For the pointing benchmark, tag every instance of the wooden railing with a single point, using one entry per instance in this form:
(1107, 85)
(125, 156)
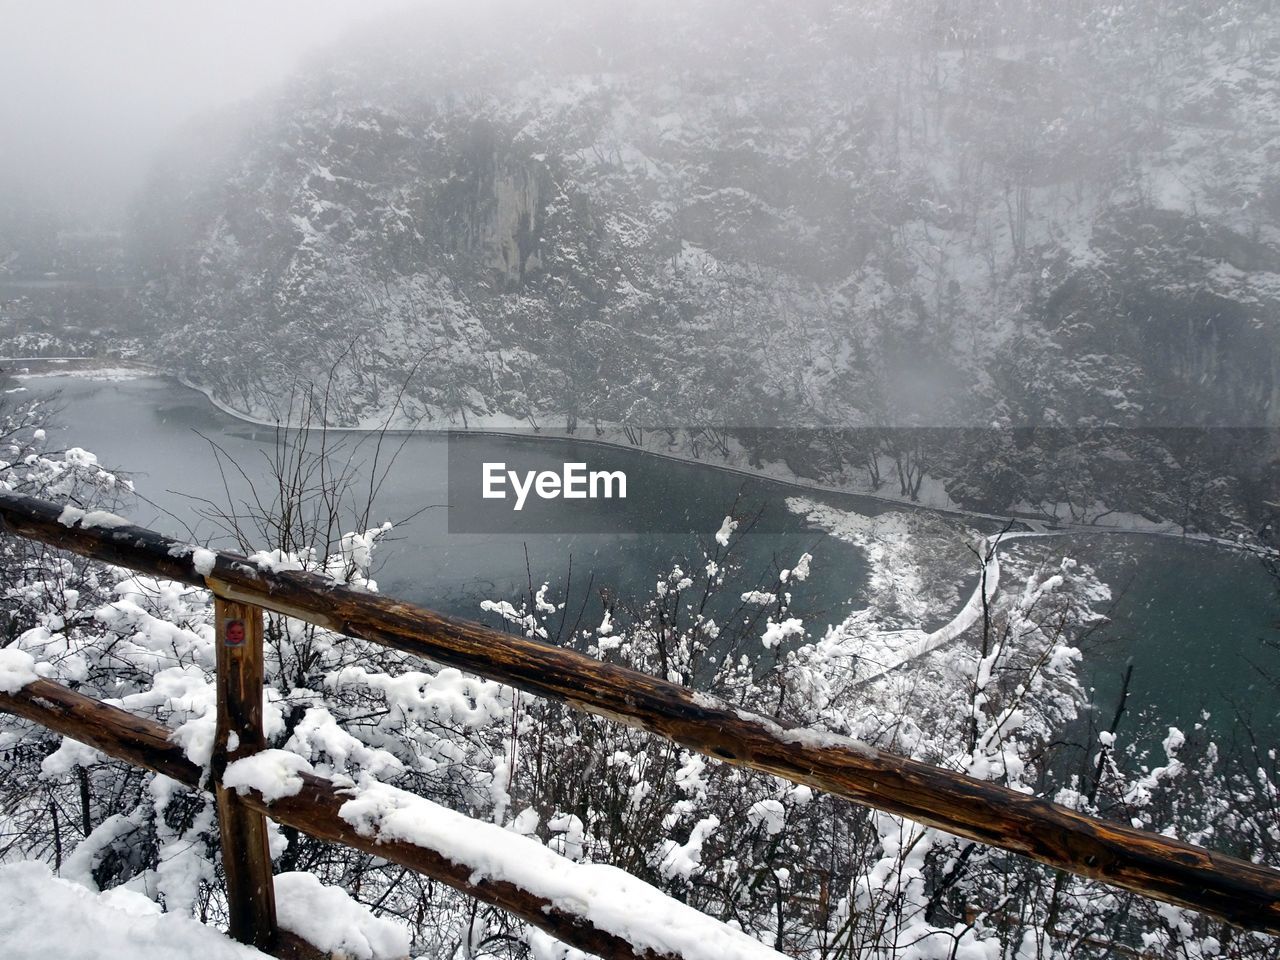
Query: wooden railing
(1242, 893)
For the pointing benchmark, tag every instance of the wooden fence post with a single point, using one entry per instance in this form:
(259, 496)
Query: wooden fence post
(246, 859)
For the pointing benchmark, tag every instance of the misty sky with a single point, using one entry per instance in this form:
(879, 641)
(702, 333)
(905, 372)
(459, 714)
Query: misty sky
(90, 88)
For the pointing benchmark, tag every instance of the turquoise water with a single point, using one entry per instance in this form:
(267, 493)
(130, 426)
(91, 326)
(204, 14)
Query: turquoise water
(1199, 624)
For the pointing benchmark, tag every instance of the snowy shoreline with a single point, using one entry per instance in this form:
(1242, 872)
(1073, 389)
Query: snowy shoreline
(774, 472)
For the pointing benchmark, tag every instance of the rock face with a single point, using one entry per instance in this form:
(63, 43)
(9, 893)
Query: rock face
(492, 210)
(708, 217)
(1195, 309)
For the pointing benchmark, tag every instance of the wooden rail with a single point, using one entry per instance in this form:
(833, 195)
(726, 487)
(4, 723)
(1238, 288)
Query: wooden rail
(313, 810)
(1166, 869)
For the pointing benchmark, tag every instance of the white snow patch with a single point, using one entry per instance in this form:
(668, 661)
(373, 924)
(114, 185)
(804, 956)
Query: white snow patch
(775, 633)
(823, 739)
(102, 519)
(274, 561)
(202, 560)
(708, 702)
(70, 516)
(726, 531)
(17, 669)
(609, 898)
(272, 773)
(685, 859)
(326, 917)
(102, 374)
(44, 916)
(769, 812)
(69, 755)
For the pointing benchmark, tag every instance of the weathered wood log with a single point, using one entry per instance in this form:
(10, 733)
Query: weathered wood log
(314, 810)
(1166, 869)
(117, 733)
(246, 852)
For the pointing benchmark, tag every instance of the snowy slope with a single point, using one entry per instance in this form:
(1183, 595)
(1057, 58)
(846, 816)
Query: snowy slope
(852, 216)
(122, 924)
(42, 916)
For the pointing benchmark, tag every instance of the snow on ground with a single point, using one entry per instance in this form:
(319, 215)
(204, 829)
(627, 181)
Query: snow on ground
(43, 917)
(889, 543)
(903, 646)
(656, 443)
(932, 494)
(122, 924)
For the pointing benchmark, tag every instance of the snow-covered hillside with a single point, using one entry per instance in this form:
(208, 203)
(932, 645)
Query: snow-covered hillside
(1006, 216)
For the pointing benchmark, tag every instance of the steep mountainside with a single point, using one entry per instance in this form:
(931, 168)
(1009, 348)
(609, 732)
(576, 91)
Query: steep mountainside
(837, 215)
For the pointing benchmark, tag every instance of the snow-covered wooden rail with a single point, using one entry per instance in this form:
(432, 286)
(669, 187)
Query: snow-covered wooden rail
(1161, 867)
(637, 922)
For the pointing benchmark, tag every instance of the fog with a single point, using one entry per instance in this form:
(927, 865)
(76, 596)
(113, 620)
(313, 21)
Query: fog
(92, 89)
